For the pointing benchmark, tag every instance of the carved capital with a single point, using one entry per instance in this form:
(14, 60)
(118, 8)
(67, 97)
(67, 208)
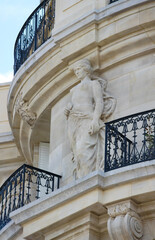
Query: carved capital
(22, 108)
(121, 208)
(124, 223)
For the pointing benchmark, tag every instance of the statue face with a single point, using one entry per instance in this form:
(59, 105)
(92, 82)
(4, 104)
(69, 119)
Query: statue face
(80, 73)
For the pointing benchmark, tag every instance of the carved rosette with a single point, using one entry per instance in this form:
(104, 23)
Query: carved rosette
(124, 223)
(22, 108)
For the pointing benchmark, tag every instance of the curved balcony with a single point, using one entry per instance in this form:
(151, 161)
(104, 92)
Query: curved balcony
(117, 39)
(114, 39)
(25, 185)
(35, 31)
(130, 140)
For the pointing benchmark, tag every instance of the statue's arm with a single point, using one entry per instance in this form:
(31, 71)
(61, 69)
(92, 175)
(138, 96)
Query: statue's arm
(68, 107)
(98, 100)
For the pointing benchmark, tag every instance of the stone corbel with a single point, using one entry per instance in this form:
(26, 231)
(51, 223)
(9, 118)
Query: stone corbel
(22, 108)
(124, 223)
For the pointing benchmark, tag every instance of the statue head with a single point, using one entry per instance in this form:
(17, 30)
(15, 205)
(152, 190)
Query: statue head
(83, 68)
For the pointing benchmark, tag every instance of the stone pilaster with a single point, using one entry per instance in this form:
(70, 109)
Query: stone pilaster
(124, 223)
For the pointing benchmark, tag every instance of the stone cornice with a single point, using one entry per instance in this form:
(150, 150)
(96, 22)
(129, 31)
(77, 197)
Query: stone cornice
(95, 16)
(95, 192)
(9, 231)
(6, 137)
(96, 180)
(5, 84)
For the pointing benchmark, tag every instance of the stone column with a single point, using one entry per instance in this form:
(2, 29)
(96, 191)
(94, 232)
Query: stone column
(124, 223)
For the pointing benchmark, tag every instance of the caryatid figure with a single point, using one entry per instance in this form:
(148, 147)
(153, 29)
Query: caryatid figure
(89, 107)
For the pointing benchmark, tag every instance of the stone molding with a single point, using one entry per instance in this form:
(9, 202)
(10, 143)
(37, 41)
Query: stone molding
(22, 108)
(59, 32)
(5, 84)
(128, 221)
(97, 179)
(124, 223)
(121, 209)
(6, 137)
(65, 195)
(9, 231)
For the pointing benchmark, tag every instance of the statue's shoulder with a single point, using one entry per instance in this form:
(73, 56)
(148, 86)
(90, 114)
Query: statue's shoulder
(73, 89)
(96, 83)
(102, 83)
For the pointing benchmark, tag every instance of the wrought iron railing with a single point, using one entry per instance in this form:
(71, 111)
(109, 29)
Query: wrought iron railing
(112, 1)
(35, 31)
(24, 186)
(130, 140)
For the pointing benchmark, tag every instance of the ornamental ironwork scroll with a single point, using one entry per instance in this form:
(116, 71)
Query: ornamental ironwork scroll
(24, 186)
(130, 140)
(35, 31)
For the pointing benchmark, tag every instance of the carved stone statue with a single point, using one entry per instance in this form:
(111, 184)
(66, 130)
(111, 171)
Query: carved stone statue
(22, 108)
(89, 107)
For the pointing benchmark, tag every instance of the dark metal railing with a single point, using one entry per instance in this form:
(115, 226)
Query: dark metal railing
(112, 1)
(130, 140)
(35, 31)
(24, 186)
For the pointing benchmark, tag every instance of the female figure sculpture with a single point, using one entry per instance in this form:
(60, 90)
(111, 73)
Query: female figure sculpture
(90, 106)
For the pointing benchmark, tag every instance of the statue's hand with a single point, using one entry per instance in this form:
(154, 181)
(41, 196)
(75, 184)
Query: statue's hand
(67, 109)
(94, 127)
(66, 112)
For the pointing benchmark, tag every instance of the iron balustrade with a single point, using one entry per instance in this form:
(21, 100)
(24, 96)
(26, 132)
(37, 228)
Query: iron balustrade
(35, 31)
(130, 140)
(25, 185)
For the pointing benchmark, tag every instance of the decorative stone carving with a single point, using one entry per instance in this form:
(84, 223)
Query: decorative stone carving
(90, 106)
(124, 223)
(22, 108)
(122, 208)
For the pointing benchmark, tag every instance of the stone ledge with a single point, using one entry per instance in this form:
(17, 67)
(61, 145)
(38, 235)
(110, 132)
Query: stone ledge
(5, 84)
(6, 137)
(9, 231)
(97, 179)
(95, 16)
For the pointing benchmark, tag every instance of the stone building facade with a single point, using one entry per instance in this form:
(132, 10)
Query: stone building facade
(81, 105)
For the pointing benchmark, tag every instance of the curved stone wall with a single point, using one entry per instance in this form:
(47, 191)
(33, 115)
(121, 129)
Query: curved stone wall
(119, 41)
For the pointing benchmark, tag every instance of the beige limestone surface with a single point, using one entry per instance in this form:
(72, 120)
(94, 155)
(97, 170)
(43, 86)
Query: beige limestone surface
(119, 41)
(4, 124)
(83, 208)
(10, 158)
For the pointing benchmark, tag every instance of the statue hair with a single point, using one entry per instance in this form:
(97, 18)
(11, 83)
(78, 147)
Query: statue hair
(85, 64)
